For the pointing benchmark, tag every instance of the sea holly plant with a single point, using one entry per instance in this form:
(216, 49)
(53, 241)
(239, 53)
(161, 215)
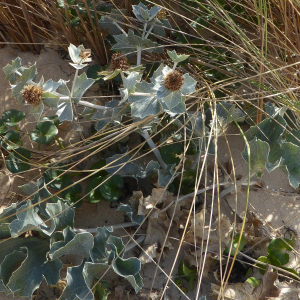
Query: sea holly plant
(55, 95)
(52, 237)
(272, 146)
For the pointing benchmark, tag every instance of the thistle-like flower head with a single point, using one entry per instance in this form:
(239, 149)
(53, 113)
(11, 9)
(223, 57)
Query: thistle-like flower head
(119, 61)
(173, 81)
(167, 81)
(32, 94)
(162, 14)
(79, 56)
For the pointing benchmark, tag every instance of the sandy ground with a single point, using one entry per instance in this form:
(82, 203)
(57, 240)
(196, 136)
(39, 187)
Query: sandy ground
(276, 204)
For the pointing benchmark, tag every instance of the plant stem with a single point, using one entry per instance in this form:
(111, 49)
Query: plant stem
(115, 23)
(59, 142)
(73, 85)
(156, 152)
(92, 105)
(39, 146)
(139, 56)
(149, 31)
(174, 66)
(117, 226)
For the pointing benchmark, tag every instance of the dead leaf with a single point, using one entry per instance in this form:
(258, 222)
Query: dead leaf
(245, 290)
(194, 258)
(237, 291)
(267, 289)
(149, 252)
(199, 230)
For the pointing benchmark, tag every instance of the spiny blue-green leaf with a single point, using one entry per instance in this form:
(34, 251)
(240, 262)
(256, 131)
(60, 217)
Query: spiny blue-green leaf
(50, 100)
(177, 58)
(293, 137)
(166, 177)
(3, 128)
(188, 84)
(226, 113)
(137, 219)
(12, 70)
(278, 248)
(131, 42)
(29, 74)
(29, 188)
(110, 189)
(116, 162)
(63, 88)
(291, 159)
(151, 167)
(28, 219)
(13, 117)
(44, 133)
(62, 214)
(92, 271)
(143, 106)
(65, 110)
(117, 15)
(34, 266)
(76, 287)
(116, 244)
(37, 110)
(82, 83)
(259, 152)
(81, 244)
(11, 263)
(129, 269)
(269, 130)
(99, 253)
(17, 160)
(172, 100)
(51, 270)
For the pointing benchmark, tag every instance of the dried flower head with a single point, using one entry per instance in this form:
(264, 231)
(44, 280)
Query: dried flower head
(32, 94)
(119, 62)
(86, 55)
(173, 81)
(162, 14)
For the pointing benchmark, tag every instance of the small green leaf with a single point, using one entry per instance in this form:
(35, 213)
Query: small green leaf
(102, 289)
(110, 189)
(99, 165)
(44, 133)
(170, 153)
(278, 248)
(17, 160)
(12, 117)
(95, 196)
(188, 274)
(94, 73)
(3, 128)
(262, 268)
(259, 152)
(11, 140)
(52, 119)
(252, 280)
(235, 243)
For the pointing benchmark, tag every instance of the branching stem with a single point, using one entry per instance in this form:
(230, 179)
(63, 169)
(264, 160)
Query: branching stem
(156, 152)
